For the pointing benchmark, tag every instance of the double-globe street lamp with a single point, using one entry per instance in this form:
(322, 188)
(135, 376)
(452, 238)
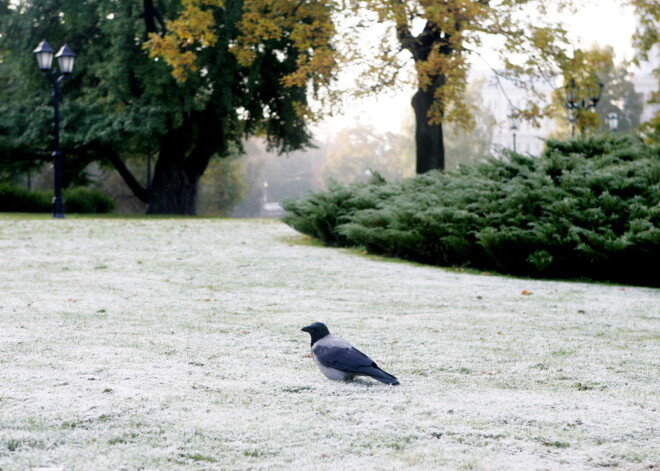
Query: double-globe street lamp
(66, 58)
(576, 103)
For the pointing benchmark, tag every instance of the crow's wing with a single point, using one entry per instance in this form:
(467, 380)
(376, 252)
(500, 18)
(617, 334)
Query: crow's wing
(348, 359)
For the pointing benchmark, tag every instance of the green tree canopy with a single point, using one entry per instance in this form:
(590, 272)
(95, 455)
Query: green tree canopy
(440, 37)
(120, 103)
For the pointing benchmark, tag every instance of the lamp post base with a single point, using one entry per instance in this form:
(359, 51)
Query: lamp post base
(58, 208)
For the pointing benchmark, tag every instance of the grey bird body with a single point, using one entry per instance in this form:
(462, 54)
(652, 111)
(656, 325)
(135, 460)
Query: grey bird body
(339, 360)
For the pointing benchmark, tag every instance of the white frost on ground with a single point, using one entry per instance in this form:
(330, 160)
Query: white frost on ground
(176, 344)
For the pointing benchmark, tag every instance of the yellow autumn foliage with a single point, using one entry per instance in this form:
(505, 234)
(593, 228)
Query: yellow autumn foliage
(329, 34)
(194, 27)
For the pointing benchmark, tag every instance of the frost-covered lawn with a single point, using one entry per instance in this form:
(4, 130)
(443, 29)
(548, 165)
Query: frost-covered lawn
(175, 344)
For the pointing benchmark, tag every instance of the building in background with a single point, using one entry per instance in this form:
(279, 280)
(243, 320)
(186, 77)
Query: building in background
(501, 96)
(646, 83)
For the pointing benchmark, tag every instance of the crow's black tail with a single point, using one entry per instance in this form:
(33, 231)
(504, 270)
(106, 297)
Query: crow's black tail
(382, 376)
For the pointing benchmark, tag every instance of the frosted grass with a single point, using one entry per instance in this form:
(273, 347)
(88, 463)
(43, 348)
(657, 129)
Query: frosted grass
(176, 344)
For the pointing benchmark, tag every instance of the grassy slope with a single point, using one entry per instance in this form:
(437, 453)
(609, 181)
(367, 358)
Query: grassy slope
(176, 344)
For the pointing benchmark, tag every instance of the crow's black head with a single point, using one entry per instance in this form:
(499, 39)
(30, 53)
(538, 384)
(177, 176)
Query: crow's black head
(317, 330)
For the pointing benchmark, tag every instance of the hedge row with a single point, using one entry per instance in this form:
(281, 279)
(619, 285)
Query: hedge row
(586, 208)
(76, 200)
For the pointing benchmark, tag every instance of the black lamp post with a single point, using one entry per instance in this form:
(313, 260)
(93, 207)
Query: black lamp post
(66, 58)
(513, 127)
(575, 104)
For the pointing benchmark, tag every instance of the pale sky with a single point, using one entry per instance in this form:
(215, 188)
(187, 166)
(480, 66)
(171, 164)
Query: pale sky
(601, 21)
(606, 22)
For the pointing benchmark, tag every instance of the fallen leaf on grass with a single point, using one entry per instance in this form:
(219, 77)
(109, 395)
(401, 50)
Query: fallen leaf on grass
(526, 293)
(488, 373)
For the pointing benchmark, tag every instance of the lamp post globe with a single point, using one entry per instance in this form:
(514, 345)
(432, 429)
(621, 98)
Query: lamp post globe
(66, 59)
(613, 121)
(44, 54)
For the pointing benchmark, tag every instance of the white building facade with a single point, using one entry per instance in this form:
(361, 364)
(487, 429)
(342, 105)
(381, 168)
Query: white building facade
(646, 83)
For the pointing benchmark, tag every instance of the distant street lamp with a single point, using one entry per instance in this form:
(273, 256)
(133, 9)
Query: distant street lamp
(66, 58)
(575, 104)
(513, 127)
(613, 121)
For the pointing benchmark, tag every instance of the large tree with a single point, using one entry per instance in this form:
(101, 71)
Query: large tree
(445, 37)
(441, 37)
(121, 102)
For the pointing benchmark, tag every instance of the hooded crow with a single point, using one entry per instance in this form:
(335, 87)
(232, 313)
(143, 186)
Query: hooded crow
(339, 360)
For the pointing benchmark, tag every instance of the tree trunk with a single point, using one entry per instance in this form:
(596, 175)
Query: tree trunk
(183, 158)
(428, 137)
(173, 190)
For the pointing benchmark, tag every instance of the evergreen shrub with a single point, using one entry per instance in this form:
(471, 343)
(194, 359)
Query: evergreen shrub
(87, 200)
(586, 208)
(17, 199)
(76, 200)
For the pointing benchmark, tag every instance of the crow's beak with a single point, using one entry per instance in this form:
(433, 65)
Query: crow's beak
(305, 329)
